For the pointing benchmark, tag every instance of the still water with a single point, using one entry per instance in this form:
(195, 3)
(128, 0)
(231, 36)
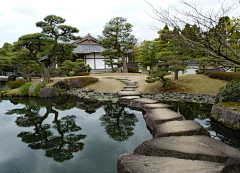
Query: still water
(63, 135)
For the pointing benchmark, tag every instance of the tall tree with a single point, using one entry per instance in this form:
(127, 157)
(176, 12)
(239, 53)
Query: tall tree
(54, 41)
(147, 54)
(211, 36)
(109, 56)
(116, 35)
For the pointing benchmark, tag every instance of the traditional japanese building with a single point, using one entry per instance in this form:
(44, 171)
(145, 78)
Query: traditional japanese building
(88, 49)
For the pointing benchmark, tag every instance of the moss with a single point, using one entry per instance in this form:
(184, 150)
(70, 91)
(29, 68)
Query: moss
(232, 105)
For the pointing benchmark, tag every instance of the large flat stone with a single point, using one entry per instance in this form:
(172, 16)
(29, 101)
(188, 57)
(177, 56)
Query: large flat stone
(128, 93)
(121, 78)
(131, 83)
(190, 147)
(154, 106)
(154, 117)
(127, 99)
(179, 128)
(130, 86)
(138, 103)
(135, 163)
(128, 89)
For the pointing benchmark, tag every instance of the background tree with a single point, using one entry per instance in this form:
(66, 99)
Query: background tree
(54, 41)
(116, 35)
(68, 66)
(212, 34)
(147, 54)
(109, 56)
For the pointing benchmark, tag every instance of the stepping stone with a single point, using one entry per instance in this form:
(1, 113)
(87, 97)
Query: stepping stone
(128, 93)
(127, 99)
(125, 81)
(121, 78)
(127, 89)
(151, 164)
(190, 147)
(131, 83)
(155, 106)
(179, 128)
(154, 117)
(130, 86)
(138, 103)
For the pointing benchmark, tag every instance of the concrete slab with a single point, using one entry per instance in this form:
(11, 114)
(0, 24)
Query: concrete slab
(128, 93)
(190, 147)
(129, 163)
(179, 128)
(138, 103)
(127, 99)
(154, 117)
(155, 106)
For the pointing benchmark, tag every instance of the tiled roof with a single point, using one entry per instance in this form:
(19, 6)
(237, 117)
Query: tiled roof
(88, 48)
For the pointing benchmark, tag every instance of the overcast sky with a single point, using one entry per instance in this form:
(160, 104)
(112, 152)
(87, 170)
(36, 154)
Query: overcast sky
(18, 17)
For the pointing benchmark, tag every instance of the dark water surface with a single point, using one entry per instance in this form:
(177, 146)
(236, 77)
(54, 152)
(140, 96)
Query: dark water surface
(63, 135)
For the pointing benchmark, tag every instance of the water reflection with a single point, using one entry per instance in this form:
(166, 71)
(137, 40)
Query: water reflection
(117, 121)
(61, 138)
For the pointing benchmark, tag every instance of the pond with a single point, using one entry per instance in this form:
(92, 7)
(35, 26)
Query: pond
(64, 135)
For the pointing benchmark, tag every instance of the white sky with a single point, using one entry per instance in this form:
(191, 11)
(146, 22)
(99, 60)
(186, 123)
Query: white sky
(18, 17)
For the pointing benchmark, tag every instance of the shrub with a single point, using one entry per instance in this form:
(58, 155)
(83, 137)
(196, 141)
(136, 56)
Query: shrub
(24, 88)
(201, 72)
(132, 70)
(81, 74)
(37, 88)
(85, 80)
(231, 92)
(15, 84)
(228, 76)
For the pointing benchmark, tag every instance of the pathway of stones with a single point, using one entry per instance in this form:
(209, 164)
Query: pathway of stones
(178, 145)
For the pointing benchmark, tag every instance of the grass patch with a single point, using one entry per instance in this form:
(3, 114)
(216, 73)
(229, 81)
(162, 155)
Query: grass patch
(37, 88)
(23, 90)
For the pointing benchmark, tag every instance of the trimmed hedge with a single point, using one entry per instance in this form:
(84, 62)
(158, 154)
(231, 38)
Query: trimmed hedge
(81, 74)
(228, 76)
(132, 70)
(231, 91)
(85, 80)
(201, 72)
(15, 84)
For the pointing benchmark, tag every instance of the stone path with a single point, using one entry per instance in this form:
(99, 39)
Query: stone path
(178, 145)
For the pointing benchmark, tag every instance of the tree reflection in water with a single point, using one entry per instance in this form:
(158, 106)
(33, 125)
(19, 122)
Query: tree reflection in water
(61, 145)
(117, 121)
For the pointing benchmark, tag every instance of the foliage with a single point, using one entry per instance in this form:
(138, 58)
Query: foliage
(81, 74)
(24, 89)
(116, 36)
(132, 70)
(231, 91)
(37, 88)
(109, 56)
(228, 76)
(201, 71)
(147, 54)
(15, 84)
(85, 80)
(47, 43)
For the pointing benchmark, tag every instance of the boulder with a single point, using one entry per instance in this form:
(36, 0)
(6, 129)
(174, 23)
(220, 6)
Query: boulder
(12, 77)
(198, 147)
(129, 163)
(61, 85)
(89, 100)
(35, 74)
(48, 92)
(31, 89)
(18, 74)
(60, 74)
(76, 84)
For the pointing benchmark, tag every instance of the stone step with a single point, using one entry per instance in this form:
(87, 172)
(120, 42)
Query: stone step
(128, 93)
(157, 116)
(130, 86)
(146, 107)
(179, 128)
(127, 89)
(151, 164)
(127, 99)
(138, 103)
(190, 147)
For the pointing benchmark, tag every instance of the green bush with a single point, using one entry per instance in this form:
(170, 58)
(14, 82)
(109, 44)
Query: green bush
(228, 76)
(85, 80)
(37, 88)
(81, 74)
(132, 70)
(24, 88)
(201, 72)
(231, 92)
(15, 84)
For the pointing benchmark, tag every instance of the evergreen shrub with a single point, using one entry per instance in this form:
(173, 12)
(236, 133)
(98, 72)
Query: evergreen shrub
(132, 70)
(24, 89)
(15, 84)
(201, 72)
(81, 74)
(228, 76)
(231, 92)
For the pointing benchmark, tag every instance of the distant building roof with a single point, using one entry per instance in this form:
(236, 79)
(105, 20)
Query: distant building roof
(88, 48)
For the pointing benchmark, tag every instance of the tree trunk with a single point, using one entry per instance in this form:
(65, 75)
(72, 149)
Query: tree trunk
(46, 74)
(125, 69)
(175, 75)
